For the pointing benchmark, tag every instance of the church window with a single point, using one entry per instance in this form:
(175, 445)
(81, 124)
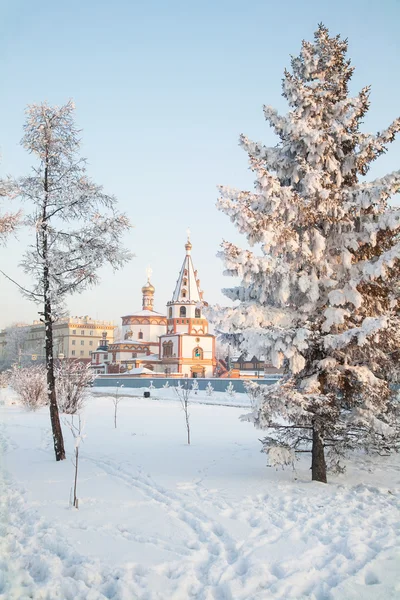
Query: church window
(198, 353)
(134, 355)
(167, 349)
(170, 313)
(182, 311)
(183, 294)
(197, 313)
(140, 335)
(184, 282)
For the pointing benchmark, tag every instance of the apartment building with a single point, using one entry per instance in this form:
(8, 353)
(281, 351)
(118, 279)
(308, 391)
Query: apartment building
(73, 337)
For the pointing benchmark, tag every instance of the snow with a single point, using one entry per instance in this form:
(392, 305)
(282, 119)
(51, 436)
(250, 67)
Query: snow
(161, 520)
(146, 313)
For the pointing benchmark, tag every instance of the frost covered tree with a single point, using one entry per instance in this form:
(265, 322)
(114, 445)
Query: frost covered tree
(30, 385)
(13, 351)
(230, 390)
(195, 386)
(320, 292)
(9, 220)
(73, 380)
(77, 229)
(209, 389)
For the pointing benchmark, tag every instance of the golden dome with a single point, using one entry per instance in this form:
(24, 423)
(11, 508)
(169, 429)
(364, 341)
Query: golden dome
(148, 288)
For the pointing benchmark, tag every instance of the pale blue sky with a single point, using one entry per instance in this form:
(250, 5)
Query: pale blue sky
(163, 90)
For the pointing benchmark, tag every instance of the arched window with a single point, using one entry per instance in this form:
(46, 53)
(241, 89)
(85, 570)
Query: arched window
(183, 293)
(182, 311)
(167, 349)
(170, 313)
(198, 353)
(197, 313)
(140, 335)
(184, 282)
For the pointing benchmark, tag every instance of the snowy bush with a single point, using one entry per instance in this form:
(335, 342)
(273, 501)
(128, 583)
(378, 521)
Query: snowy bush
(166, 385)
(195, 386)
(73, 379)
(151, 386)
(30, 385)
(322, 297)
(230, 390)
(209, 389)
(279, 456)
(253, 392)
(5, 377)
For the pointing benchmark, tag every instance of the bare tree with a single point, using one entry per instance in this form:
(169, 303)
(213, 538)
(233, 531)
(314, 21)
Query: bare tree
(183, 393)
(72, 385)
(30, 385)
(77, 228)
(116, 400)
(77, 430)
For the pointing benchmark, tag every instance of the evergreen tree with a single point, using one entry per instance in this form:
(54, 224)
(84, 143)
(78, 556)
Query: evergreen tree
(321, 298)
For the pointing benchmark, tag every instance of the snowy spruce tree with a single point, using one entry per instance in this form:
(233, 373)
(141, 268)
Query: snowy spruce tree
(77, 229)
(321, 296)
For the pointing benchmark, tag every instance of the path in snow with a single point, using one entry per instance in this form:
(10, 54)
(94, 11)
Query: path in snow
(161, 521)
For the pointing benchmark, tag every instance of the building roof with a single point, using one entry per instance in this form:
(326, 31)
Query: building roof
(145, 313)
(187, 273)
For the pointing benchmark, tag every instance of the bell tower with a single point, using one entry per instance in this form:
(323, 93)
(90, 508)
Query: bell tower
(188, 348)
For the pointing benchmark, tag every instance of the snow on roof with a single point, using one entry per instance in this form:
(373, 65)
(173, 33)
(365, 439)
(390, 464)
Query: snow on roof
(145, 313)
(150, 357)
(127, 342)
(191, 289)
(139, 371)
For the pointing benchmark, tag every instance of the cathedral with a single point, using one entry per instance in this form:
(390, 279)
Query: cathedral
(177, 343)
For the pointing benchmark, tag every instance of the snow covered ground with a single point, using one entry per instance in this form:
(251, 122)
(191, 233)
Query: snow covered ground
(161, 520)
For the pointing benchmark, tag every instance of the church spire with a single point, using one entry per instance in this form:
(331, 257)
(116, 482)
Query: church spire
(187, 289)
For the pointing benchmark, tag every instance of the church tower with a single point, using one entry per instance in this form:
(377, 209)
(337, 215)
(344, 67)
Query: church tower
(187, 347)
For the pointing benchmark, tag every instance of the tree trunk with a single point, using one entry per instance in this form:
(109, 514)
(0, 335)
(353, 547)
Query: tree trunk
(318, 464)
(115, 416)
(51, 385)
(187, 423)
(48, 325)
(76, 476)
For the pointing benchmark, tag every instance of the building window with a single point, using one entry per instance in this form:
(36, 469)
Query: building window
(167, 349)
(74, 332)
(197, 313)
(134, 354)
(198, 353)
(140, 335)
(73, 352)
(182, 311)
(106, 357)
(82, 352)
(91, 333)
(170, 313)
(91, 343)
(73, 342)
(82, 332)
(82, 342)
